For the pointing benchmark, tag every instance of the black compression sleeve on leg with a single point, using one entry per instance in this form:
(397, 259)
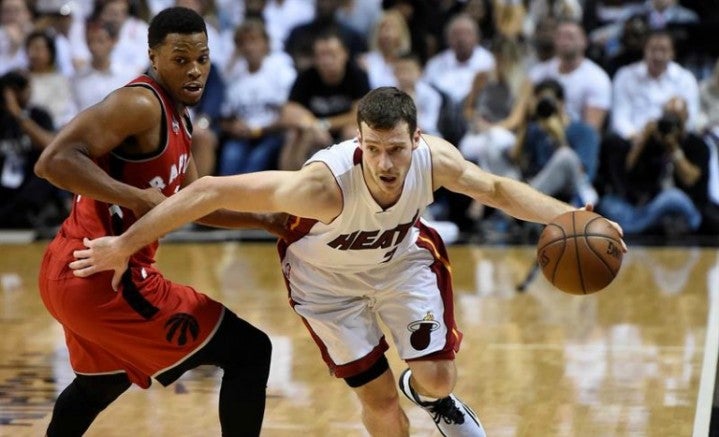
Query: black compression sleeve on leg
(370, 374)
(244, 353)
(81, 401)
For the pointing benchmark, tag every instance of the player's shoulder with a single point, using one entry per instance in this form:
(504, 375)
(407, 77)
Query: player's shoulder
(137, 102)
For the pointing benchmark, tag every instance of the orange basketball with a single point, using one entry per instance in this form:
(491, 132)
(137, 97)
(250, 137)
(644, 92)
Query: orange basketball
(580, 252)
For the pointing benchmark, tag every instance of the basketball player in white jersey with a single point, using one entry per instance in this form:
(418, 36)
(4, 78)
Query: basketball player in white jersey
(355, 252)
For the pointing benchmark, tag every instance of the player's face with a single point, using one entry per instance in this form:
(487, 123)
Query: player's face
(386, 158)
(182, 64)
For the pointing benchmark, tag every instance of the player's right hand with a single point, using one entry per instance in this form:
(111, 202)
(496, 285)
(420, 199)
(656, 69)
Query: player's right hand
(102, 254)
(149, 198)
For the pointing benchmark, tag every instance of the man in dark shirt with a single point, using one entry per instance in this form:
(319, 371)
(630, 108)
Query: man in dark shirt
(25, 131)
(665, 177)
(322, 103)
(299, 43)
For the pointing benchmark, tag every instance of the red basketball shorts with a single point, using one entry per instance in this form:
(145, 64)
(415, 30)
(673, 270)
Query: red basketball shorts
(149, 326)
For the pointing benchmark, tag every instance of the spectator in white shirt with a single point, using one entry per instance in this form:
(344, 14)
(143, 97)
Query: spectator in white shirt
(131, 31)
(101, 77)
(453, 69)
(251, 129)
(15, 25)
(641, 90)
(281, 16)
(588, 90)
(390, 40)
(408, 71)
(50, 89)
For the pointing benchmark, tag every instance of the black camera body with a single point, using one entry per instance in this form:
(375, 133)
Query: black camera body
(546, 107)
(669, 123)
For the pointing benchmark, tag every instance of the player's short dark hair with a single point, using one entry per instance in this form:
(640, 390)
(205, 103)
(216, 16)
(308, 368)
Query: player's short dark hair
(384, 108)
(174, 20)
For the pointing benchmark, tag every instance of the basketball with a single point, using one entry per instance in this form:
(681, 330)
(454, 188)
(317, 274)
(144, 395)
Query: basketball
(579, 252)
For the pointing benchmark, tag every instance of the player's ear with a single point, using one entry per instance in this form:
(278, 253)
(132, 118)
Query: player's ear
(151, 55)
(415, 138)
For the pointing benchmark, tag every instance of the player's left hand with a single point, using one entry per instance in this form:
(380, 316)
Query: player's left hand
(615, 225)
(102, 254)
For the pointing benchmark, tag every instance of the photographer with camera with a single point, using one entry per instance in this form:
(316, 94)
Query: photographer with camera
(556, 154)
(25, 131)
(666, 172)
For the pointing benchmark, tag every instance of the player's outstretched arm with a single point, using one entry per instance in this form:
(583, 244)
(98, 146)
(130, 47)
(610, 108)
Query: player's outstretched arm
(310, 192)
(517, 199)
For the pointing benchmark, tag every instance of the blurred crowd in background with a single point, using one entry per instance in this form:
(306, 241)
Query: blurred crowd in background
(614, 103)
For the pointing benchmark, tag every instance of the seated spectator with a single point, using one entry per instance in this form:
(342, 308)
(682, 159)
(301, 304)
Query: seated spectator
(219, 45)
(322, 103)
(556, 154)
(418, 16)
(98, 79)
(15, 25)
(560, 10)
(587, 87)
(658, 14)
(390, 40)
(25, 130)
(361, 15)
(631, 45)
(250, 127)
(428, 100)
(300, 41)
(488, 105)
(62, 19)
(453, 70)
(50, 89)
(640, 92)
(281, 16)
(709, 100)
(131, 33)
(666, 167)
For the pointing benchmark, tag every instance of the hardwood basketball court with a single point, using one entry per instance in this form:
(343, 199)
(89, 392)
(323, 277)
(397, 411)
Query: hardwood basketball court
(637, 359)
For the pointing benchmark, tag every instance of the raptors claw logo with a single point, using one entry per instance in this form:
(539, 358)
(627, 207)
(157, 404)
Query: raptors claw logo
(183, 323)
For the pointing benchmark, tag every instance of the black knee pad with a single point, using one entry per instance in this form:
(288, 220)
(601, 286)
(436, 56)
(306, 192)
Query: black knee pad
(369, 375)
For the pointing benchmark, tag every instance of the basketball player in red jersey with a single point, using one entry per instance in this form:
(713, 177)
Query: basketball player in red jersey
(356, 253)
(122, 157)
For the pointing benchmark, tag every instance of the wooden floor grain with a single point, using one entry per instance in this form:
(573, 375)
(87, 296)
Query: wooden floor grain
(624, 362)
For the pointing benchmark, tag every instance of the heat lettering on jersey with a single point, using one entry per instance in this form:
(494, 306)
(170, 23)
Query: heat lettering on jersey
(174, 171)
(362, 240)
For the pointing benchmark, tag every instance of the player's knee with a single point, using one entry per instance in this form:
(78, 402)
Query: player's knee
(263, 346)
(100, 391)
(437, 381)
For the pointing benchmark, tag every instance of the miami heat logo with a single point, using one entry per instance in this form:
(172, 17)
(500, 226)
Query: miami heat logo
(422, 331)
(184, 324)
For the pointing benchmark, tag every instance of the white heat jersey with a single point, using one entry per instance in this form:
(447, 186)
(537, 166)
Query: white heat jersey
(364, 235)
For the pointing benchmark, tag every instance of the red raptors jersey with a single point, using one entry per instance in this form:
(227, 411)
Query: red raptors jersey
(164, 169)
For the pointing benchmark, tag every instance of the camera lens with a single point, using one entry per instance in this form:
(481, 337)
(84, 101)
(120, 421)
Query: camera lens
(545, 108)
